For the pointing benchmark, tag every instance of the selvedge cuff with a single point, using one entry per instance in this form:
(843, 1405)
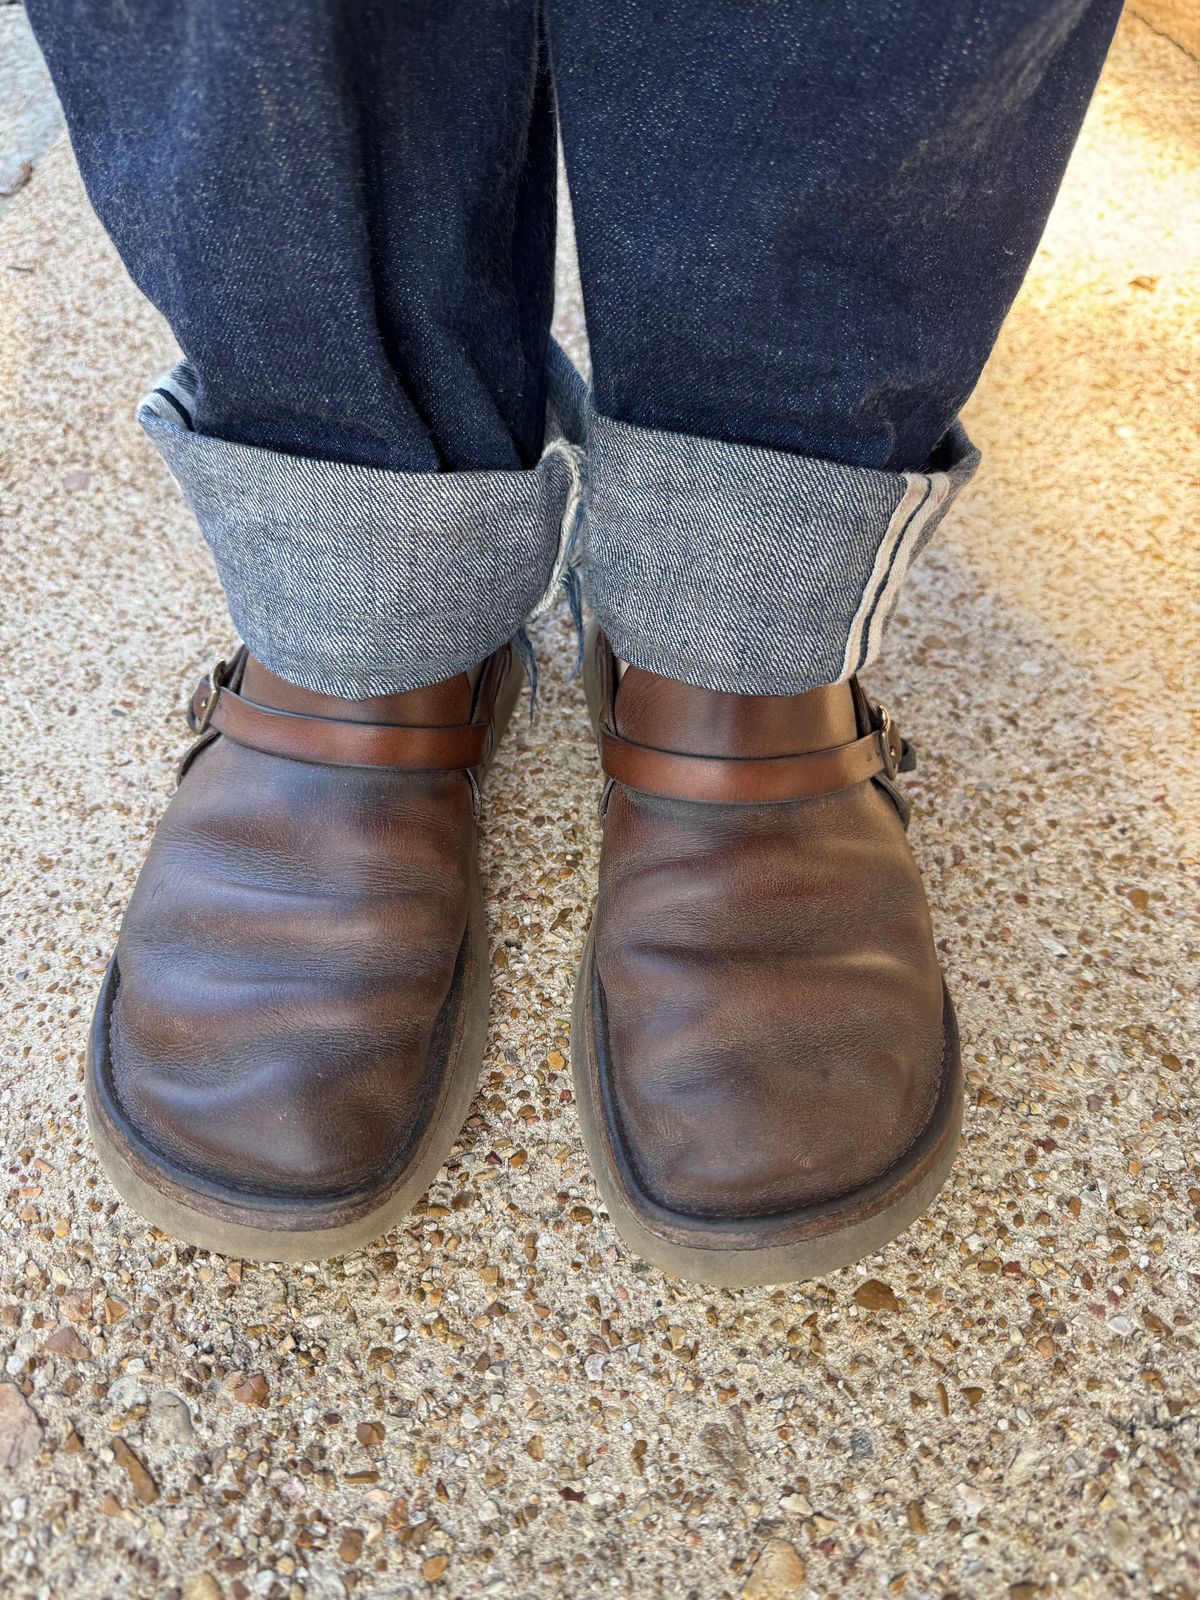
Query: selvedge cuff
(729, 566)
(740, 568)
(358, 581)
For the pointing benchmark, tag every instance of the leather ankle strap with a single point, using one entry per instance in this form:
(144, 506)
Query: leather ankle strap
(879, 753)
(216, 707)
(749, 780)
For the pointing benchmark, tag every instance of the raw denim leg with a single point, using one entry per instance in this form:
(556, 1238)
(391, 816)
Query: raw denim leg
(801, 224)
(800, 227)
(345, 210)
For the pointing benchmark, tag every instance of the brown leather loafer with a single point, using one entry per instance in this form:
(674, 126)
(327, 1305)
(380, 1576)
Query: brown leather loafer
(764, 1052)
(291, 1028)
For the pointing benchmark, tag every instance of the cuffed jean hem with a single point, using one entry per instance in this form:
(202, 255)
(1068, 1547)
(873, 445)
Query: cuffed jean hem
(357, 581)
(742, 568)
(729, 566)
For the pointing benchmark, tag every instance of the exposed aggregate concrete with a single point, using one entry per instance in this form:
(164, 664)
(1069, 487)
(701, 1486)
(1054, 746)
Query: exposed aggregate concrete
(496, 1400)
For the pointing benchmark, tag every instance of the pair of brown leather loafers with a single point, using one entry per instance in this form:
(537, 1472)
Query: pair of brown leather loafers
(291, 1029)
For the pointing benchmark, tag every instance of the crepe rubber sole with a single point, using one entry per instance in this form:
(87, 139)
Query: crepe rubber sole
(285, 1228)
(258, 1227)
(787, 1247)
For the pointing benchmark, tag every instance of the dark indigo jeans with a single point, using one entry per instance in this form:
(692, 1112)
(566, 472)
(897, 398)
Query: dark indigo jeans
(800, 224)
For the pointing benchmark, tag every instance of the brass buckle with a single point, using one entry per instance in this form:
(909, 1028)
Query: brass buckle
(885, 742)
(215, 685)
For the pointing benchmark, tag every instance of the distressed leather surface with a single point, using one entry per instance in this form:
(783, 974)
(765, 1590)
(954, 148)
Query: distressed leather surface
(773, 1003)
(288, 951)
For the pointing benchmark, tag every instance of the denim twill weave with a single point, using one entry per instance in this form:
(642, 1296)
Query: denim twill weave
(737, 567)
(357, 581)
(800, 227)
(730, 566)
(747, 569)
